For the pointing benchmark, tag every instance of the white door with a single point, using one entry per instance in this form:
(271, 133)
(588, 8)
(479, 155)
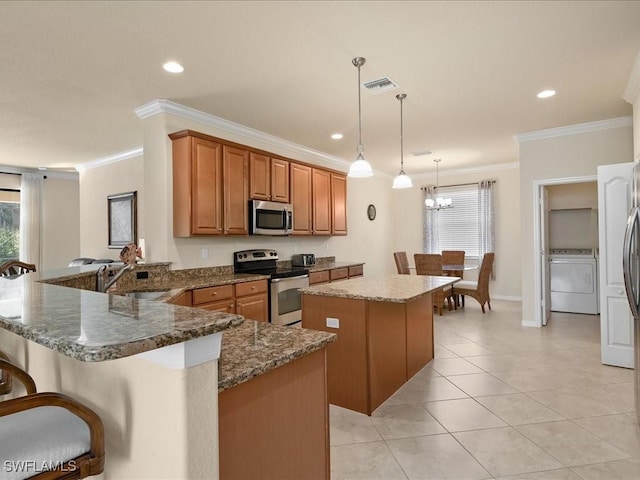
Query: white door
(615, 189)
(544, 255)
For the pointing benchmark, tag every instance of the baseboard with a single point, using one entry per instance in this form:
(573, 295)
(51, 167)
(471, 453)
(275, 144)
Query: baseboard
(506, 297)
(530, 323)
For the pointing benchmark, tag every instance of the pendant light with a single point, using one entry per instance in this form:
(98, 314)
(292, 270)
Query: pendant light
(439, 202)
(402, 180)
(360, 168)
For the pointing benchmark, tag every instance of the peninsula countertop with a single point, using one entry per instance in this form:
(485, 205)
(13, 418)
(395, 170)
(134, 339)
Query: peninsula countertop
(93, 327)
(385, 288)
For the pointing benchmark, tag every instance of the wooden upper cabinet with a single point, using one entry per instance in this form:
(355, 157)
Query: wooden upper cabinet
(279, 180)
(338, 204)
(235, 175)
(321, 202)
(197, 187)
(301, 198)
(269, 178)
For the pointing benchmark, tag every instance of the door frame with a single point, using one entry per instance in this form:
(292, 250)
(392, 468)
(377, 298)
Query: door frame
(538, 185)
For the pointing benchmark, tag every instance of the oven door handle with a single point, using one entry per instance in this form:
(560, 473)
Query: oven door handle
(276, 280)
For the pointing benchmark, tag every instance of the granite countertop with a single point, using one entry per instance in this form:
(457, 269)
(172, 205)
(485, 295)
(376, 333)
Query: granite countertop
(254, 348)
(322, 266)
(94, 327)
(387, 288)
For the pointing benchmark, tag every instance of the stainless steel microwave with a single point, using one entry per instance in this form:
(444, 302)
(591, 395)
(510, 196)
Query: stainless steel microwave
(270, 218)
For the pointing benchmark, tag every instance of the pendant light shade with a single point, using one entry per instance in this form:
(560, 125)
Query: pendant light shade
(360, 168)
(402, 180)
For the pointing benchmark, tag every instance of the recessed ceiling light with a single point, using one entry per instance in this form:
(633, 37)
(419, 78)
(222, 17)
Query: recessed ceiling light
(546, 94)
(336, 136)
(173, 67)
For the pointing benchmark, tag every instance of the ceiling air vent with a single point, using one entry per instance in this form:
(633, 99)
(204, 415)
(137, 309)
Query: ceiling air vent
(380, 85)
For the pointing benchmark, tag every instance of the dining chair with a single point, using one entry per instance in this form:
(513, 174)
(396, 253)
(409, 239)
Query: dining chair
(52, 434)
(454, 257)
(480, 289)
(16, 267)
(431, 264)
(402, 262)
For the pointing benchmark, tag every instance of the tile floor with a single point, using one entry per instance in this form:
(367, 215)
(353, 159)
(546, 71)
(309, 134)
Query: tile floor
(499, 401)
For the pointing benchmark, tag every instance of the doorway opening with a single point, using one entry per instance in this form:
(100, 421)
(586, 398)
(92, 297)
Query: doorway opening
(569, 205)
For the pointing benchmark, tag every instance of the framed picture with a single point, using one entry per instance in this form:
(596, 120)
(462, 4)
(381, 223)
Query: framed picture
(122, 219)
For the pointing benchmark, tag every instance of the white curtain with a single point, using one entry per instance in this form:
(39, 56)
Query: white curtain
(30, 218)
(430, 227)
(486, 232)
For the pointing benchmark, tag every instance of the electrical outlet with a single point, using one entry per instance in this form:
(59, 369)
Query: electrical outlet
(333, 322)
(205, 253)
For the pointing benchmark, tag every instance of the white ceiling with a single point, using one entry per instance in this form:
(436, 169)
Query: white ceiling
(73, 73)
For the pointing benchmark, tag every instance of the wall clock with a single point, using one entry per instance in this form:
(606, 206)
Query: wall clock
(371, 212)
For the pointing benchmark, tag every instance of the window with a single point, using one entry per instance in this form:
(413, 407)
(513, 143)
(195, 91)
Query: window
(9, 224)
(468, 226)
(458, 226)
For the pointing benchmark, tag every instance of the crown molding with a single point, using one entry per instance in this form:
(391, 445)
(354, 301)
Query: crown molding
(633, 84)
(574, 129)
(45, 173)
(117, 157)
(166, 106)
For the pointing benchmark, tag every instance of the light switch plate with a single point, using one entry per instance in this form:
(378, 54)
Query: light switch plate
(333, 322)
(205, 253)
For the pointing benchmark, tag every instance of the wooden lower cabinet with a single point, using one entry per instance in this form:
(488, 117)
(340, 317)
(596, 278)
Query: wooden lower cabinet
(249, 299)
(380, 345)
(276, 425)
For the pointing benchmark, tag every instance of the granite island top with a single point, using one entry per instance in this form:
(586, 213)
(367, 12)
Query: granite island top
(254, 348)
(386, 288)
(93, 327)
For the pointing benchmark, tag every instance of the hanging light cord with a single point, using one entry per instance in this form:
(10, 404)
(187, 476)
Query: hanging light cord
(401, 97)
(358, 62)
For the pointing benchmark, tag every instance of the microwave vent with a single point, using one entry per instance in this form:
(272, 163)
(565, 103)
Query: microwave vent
(381, 85)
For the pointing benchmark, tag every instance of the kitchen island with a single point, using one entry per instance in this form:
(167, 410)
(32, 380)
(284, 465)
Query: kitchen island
(384, 328)
(149, 369)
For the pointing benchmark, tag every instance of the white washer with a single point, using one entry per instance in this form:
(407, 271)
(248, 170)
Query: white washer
(574, 281)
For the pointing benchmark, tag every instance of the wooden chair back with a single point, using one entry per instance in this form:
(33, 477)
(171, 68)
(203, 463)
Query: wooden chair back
(485, 275)
(402, 262)
(453, 257)
(16, 267)
(428, 263)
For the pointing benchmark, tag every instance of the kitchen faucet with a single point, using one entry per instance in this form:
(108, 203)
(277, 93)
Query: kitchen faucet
(101, 286)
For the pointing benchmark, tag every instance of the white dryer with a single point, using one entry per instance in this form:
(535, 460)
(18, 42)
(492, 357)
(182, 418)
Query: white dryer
(574, 281)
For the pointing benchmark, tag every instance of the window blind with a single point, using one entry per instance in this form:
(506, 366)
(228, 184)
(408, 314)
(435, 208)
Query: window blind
(458, 227)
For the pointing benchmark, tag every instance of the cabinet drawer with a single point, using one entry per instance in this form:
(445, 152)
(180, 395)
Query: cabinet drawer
(355, 271)
(225, 306)
(212, 294)
(251, 288)
(339, 273)
(318, 277)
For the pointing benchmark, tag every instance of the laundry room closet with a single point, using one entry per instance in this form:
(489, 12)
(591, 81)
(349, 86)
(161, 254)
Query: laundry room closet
(573, 247)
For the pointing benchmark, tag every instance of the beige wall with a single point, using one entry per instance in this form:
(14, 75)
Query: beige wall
(561, 157)
(95, 185)
(60, 222)
(408, 223)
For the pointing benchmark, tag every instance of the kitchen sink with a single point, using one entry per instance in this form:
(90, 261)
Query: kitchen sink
(146, 295)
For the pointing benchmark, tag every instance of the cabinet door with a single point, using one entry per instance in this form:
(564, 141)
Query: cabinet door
(321, 202)
(301, 198)
(279, 180)
(197, 187)
(338, 204)
(260, 176)
(235, 166)
(254, 307)
(227, 306)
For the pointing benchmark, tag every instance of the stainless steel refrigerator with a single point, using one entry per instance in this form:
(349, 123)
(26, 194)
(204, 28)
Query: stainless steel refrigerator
(631, 269)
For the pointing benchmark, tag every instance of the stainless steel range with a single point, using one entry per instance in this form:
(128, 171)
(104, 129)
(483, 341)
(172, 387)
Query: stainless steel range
(285, 301)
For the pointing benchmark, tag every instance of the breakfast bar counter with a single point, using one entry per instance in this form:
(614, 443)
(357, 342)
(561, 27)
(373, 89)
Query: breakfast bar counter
(384, 328)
